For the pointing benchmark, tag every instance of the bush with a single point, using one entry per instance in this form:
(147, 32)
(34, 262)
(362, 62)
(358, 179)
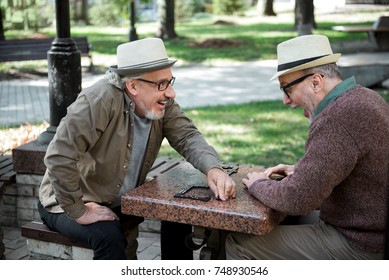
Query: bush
(185, 9)
(228, 7)
(105, 14)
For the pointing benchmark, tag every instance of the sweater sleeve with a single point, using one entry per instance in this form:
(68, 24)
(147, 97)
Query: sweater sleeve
(330, 155)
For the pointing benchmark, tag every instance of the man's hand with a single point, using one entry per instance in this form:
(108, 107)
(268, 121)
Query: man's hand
(221, 184)
(95, 213)
(281, 169)
(252, 177)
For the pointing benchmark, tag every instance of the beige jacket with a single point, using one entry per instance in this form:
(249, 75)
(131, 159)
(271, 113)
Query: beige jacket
(88, 158)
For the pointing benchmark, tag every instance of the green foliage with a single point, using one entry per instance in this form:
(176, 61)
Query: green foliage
(185, 9)
(27, 15)
(228, 7)
(105, 14)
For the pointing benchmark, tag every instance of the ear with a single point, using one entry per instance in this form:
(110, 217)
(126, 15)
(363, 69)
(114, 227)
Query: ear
(131, 88)
(318, 83)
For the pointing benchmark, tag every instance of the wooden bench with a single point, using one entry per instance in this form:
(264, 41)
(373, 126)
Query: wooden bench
(378, 33)
(44, 243)
(36, 49)
(7, 174)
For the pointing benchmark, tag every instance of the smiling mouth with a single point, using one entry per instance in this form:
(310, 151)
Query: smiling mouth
(162, 103)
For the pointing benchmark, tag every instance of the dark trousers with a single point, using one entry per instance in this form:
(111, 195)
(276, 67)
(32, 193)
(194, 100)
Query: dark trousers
(107, 238)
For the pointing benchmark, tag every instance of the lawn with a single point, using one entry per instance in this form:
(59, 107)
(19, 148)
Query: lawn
(258, 133)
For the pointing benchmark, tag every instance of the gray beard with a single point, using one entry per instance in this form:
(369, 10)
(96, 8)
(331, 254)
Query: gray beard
(151, 115)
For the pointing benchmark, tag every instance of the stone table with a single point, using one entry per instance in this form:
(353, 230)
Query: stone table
(155, 199)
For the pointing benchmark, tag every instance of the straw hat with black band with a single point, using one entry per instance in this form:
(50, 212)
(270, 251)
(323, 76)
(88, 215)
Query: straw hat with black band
(304, 52)
(141, 56)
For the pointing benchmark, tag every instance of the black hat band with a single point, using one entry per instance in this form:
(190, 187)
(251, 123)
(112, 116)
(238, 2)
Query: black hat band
(290, 65)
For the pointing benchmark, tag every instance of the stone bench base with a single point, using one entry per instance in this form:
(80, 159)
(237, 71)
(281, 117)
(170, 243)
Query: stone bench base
(42, 250)
(44, 244)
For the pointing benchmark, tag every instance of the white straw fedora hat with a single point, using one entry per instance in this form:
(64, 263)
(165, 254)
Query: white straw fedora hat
(141, 56)
(304, 52)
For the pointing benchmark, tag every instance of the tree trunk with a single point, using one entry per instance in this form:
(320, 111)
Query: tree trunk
(166, 26)
(304, 17)
(266, 7)
(84, 12)
(2, 36)
(76, 15)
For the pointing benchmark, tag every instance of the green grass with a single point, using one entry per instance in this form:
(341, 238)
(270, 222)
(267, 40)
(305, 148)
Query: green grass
(257, 40)
(258, 133)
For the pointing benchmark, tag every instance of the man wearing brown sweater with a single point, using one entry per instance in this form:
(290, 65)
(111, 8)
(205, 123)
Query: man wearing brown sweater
(344, 172)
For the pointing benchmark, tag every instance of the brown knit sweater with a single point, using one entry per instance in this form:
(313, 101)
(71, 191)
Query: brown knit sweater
(344, 171)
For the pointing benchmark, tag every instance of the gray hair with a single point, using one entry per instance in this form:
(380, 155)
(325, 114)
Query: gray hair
(117, 80)
(330, 70)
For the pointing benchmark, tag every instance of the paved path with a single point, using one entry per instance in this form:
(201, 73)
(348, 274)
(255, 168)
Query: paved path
(27, 100)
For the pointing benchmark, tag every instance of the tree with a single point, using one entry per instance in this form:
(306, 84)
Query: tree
(304, 17)
(266, 7)
(166, 24)
(2, 37)
(84, 11)
(80, 11)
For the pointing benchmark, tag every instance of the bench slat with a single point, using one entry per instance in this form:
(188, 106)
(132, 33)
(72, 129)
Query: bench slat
(36, 49)
(163, 164)
(359, 28)
(377, 32)
(7, 174)
(39, 231)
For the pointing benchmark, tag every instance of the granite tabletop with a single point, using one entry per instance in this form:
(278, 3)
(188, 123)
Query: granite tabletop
(155, 199)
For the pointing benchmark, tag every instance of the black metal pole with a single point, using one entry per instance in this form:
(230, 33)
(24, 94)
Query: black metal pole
(64, 71)
(133, 36)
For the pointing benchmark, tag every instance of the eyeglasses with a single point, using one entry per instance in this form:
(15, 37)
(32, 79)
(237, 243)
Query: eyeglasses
(295, 82)
(161, 85)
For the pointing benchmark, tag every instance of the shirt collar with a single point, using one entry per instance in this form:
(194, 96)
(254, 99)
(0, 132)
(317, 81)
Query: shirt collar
(342, 87)
(129, 103)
